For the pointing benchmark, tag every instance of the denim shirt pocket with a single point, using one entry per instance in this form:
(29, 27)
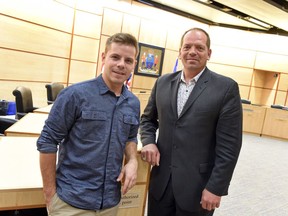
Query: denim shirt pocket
(94, 125)
(124, 127)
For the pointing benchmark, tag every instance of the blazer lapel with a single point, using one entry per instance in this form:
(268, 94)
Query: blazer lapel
(198, 89)
(173, 93)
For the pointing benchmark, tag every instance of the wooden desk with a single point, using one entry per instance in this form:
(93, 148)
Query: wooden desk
(20, 181)
(253, 118)
(29, 125)
(276, 123)
(45, 109)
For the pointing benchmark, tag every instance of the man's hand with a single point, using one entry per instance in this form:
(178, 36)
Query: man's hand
(151, 154)
(129, 173)
(210, 201)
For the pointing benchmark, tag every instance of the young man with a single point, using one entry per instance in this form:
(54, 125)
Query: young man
(199, 117)
(93, 123)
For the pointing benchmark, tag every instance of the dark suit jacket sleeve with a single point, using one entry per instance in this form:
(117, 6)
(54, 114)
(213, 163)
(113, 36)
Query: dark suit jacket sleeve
(228, 141)
(149, 120)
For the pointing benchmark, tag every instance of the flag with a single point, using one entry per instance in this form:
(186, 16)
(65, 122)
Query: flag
(128, 82)
(175, 66)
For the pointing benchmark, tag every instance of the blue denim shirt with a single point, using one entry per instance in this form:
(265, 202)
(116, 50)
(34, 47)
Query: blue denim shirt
(91, 126)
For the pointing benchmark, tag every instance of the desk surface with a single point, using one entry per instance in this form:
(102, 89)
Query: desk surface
(29, 125)
(19, 163)
(45, 109)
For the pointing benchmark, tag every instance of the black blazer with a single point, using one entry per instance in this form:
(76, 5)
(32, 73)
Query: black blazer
(200, 148)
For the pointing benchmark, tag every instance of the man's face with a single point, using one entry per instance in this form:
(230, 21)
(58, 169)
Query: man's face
(194, 52)
(119, 62)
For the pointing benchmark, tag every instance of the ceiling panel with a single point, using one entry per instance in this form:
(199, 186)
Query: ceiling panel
(214, 13)
(260, 10)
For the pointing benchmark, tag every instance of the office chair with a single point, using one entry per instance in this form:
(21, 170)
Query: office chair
(53, 90)
(24, 101)
(244, 101)
(6, 123)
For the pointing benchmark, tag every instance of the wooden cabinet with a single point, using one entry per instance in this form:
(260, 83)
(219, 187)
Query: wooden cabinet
(276, 123)
(253, 118)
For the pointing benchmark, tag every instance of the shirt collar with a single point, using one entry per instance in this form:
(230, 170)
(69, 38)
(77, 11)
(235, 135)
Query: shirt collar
(104, 88)
(194, 78)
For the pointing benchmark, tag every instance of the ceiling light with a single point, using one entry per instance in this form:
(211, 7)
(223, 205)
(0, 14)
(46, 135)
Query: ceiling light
(258, 22)
(205, 1)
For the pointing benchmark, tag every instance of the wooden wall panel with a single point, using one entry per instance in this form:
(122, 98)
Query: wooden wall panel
(261, 96)
(112, 22)
(173, 39)
(152, 33)
(143, 82)
(80, 71)
(85, 49)
(32, 67)
(244, 91)
(271, 62)
(240, 74)
(280, 98)
(131, 24)
(271, 43)
(19, 35)
(46, 13)
(169, 61)
(95, 6)
(283, 82)
(227, 37)
(265, 79)
(233, 56)
(87, 24)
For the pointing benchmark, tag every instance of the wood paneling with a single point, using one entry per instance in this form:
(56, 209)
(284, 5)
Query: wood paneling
(80, 71)
(241, 75)
(280, 98)
(283, 82)
(233, 56)
(32, 67)
(131, 24)
(85, 49)
(244, 91)
(253, 118)
(262, 96)
(19, 35)
(276, 123)
(169, 61)
(46, 13)
(265, 79)
(143, 82)
(87, 24)
(271, 62)
(112, 22)
(153, 33)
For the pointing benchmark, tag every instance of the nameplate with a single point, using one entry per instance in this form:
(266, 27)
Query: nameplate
(130, 200)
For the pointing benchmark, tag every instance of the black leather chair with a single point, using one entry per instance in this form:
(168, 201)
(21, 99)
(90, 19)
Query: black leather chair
(24, 101)
(244, 101)
(53, 90)
(6, 123)
(276, 106)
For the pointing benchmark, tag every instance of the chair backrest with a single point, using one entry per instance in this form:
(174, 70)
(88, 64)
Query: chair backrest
(53, 89)
(5, 123)
(23, 99)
